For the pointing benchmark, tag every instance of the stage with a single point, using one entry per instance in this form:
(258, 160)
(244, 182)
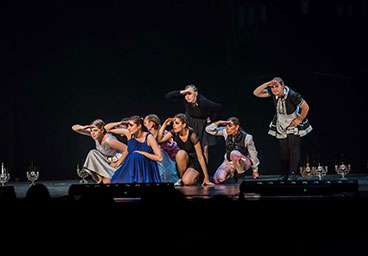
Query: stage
(60, 188)
(203, 219)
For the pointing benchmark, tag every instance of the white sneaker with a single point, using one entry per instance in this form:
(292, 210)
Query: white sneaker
(178, 183)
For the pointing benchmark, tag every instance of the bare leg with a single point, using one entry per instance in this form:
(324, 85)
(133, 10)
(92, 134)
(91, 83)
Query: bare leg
(106, 180)
(182, 159)
(190, 177)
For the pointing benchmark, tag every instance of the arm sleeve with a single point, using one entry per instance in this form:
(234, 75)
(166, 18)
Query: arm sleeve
(249, 143)
(213, 129)
(174, 96)
(296, 98)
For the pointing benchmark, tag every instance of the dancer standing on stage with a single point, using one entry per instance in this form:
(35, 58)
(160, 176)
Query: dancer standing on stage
(167, 166)
(199, 111)
(190, 159)
(102, 162)
(241, 153)
(289, 123)
(140, 165)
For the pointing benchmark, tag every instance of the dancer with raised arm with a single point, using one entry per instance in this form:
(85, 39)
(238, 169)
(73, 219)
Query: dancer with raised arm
(169, 148)
(189, 159)
(241, 153)
(199, 112)
(290, 122)
(102, 162)
(140, 165)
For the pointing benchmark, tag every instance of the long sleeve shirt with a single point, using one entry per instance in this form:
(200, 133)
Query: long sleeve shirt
(215, 130)
(203, 108)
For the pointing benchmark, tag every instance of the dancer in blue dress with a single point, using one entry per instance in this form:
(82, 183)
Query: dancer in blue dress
(140, 165)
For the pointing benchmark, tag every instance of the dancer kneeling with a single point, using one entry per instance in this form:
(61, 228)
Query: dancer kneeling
(190, 160)
(140, 165)
(167, 166)
(102, 162)
(241, 153)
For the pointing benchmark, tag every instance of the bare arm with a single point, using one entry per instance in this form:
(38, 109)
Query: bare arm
(261, 91)
(122, 148)
(202, 162)
(115, 128)
(156, 156)
(82, 129)
(161, 137)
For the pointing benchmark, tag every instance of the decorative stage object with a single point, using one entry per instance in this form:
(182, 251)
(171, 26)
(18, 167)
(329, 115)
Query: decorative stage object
(306, 171)
(4, 175)
(320, 171)
(342, 169)
(83, 174)
(33, 174)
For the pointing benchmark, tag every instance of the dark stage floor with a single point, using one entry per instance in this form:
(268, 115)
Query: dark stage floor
(59, 188)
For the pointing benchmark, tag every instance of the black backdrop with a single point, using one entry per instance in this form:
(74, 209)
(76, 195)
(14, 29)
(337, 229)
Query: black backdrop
(67, 62)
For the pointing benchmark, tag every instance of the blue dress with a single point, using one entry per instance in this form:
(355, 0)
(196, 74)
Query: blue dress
(136, 167)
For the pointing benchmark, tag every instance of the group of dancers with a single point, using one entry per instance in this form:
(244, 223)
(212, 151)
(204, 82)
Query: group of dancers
(177, 150)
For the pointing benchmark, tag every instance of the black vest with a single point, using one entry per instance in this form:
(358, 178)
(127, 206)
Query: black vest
(236, 142)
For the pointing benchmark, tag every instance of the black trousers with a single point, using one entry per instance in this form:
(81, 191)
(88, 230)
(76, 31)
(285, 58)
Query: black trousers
(290, 153)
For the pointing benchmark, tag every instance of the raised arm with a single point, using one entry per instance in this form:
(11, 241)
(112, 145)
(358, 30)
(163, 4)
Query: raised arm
(261, 91)
(116, 128)
(174, 95)
(161, 136)
(214, 128)
(82, 129)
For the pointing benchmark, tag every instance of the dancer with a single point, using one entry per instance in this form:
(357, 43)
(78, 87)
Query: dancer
(167, 166)
(102, 162)
(289, 123)
(189, 159)
(199, 112)
(241, 153)
(140, 165)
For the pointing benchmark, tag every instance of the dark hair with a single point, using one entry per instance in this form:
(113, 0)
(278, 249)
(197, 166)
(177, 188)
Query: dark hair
(183, 118)
(279, 79)
(192, 86)
(234, 120)
(137, 120)
(155, 119)
(99, 123)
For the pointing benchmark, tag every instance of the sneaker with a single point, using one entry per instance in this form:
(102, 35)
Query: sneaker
(179, 182)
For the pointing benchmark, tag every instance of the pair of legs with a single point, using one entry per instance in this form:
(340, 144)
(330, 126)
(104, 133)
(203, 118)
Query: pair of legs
(290, 153)
(189, 176)
(239, 163)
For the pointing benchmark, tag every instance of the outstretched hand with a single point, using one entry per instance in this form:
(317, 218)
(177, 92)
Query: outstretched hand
(208, 183)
